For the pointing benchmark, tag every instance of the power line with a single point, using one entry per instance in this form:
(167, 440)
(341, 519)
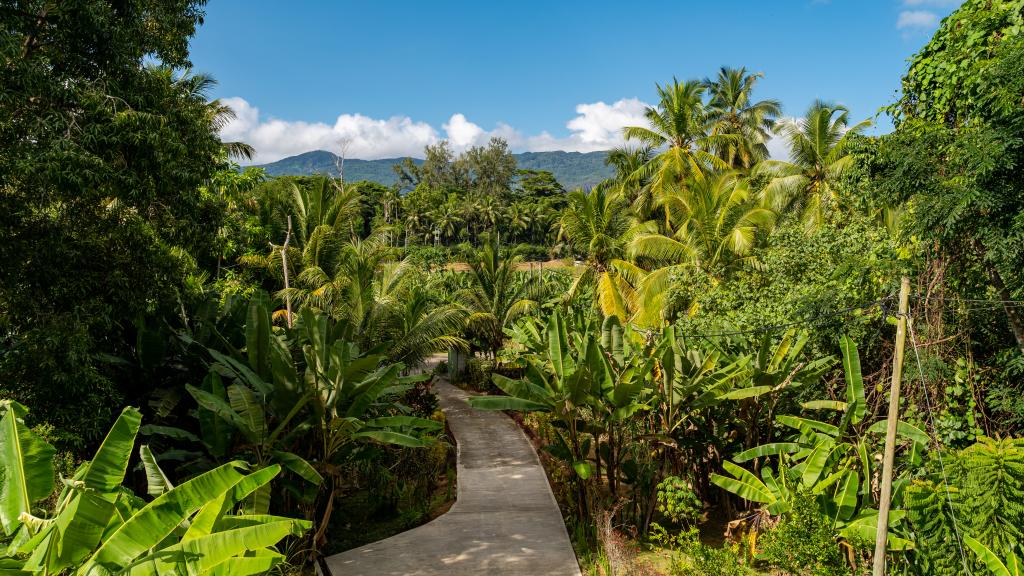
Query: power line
(938, 447)
(971, 300)
(815, 320)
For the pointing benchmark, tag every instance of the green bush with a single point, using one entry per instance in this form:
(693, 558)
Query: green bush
(677, 501)
(803, 543)
(699, 559)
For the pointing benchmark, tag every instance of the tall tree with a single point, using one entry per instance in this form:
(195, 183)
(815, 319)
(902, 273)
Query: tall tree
(955, 156)
(819, 157)
(680, 129)
(733, 112)
(104, 152)
(497, 295)
(491, 168)
(716, 225)
(635, 188)
(598, 227)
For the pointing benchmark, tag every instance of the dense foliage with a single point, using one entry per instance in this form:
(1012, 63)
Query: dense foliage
(701, 341)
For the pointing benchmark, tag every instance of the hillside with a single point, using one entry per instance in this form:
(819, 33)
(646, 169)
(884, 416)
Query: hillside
(572, 169)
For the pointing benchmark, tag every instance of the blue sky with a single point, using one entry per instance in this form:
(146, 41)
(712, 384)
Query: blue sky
(384, 78)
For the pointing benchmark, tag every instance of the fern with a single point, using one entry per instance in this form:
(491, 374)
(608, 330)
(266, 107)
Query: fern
(991, 476)
(985, 500)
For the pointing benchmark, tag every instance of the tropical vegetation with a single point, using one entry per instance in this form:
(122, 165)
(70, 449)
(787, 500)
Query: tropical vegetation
(205, 369)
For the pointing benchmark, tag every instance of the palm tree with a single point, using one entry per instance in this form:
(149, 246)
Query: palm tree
(518, 220)
(680, 128)
(421, 325)
(497, 295)
(599, 228)
(732, 112)
(447, 219)
(819, 157)
(320, 217)
(488, 210)
(629, 163)
(714, 231)
(219, 114)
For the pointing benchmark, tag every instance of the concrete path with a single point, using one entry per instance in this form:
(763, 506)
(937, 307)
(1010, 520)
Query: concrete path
(504, 522)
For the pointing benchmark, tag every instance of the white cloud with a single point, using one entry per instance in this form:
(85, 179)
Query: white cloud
(461, 132)
(596, 126)
(916, 19)
(367, 137)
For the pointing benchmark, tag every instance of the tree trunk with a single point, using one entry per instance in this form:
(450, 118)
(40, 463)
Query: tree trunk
(1008, 306)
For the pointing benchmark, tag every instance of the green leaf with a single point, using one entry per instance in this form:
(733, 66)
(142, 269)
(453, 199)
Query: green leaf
(211, 515)
(506, 403)
(217, 406)
(824, 405)
(257, 338)
(814, 464)
(741, 393)
(297, 464)
(156, 481)
(244, 402)
(864, 526)
(994, 564)
(520, 388)
(168, 431)
(583, 469)
(108, 466)
(772, 449)
(200, 555)
(904, 429)
(396, 438)
(558, 347)
(854, 379)
(846, 494)
(159, 518)
(404, 422)
(26, 470)
(745, 484)
(807, 426)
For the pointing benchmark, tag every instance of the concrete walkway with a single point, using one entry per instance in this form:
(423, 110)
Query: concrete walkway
(505, 520)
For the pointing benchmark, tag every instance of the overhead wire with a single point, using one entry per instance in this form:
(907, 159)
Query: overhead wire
(934, 436)
(815, 320)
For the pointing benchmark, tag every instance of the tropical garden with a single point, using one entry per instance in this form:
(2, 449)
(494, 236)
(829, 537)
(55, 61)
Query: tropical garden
(207, 370)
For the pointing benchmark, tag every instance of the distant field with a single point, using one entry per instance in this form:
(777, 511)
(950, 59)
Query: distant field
(464, 267)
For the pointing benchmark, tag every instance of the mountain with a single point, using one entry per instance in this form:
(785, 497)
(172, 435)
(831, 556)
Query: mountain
(572, 169)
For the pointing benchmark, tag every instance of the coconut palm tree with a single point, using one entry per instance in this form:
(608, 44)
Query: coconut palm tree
(497, 295)
(419, 325)
(488, 211)
(731, 111)
(599, 228)
(716, 224)
(447, 219)
(819, 157)
(680, 128)
(628, 163)
(518, 220)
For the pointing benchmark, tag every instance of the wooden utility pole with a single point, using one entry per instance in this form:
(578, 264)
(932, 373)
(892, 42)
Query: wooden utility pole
(882, 532)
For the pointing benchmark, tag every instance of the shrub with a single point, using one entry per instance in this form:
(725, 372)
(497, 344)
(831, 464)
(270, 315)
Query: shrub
(699, 559)
(803, 543)
(677, 501)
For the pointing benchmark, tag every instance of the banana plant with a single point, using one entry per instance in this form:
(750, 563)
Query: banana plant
(832, 462)
(777, 365)
(1011, 566)
(568, 380)
(100, 527)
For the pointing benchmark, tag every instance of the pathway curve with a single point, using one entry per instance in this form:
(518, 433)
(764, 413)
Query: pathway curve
(505, 520)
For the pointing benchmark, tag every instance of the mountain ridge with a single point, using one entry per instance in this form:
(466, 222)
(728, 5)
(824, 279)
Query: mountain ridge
(571, 169)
